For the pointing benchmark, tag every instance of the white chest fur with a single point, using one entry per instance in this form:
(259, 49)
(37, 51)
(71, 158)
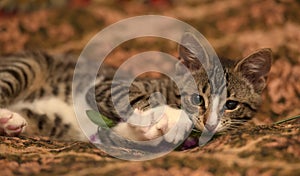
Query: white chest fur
(51, 106)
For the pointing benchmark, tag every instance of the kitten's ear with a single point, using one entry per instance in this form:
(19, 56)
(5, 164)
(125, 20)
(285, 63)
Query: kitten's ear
(190, 51)
(256, 67)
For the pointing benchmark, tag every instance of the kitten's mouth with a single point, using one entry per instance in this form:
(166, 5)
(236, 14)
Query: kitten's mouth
(208, 128)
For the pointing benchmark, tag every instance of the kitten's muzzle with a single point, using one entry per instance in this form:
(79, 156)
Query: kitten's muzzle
(210, 128)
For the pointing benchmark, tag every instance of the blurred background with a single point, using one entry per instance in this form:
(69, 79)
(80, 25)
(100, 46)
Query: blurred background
(234, 28)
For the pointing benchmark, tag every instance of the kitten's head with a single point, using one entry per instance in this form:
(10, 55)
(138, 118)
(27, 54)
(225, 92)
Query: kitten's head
(245, 81)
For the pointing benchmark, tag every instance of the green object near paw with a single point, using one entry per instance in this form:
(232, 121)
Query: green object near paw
(99, 119)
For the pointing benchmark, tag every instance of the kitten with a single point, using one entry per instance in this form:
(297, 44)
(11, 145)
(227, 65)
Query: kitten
(35, 93)
(245, 81)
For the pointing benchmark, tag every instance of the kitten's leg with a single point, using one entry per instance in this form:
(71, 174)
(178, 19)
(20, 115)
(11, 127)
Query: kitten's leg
(11, 123)
(172, 124)
(20, 76)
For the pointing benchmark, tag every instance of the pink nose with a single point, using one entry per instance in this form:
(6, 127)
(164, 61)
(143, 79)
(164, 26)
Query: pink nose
(210, 127)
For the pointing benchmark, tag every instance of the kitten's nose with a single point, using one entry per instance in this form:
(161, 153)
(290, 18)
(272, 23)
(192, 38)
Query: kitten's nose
(210, 127)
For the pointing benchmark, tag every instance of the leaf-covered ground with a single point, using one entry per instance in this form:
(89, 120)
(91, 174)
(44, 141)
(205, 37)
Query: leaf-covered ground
(234, 29)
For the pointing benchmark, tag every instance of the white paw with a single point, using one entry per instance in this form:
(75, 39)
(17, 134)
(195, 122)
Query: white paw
(11, 123)
(172, 124)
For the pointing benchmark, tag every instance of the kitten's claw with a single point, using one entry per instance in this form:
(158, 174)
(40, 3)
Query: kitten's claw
(11, 123)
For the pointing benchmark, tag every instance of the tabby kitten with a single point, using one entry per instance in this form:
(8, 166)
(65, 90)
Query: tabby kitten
(35, 93)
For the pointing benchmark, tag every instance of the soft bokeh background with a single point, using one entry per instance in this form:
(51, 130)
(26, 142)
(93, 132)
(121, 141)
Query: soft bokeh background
(234, 28)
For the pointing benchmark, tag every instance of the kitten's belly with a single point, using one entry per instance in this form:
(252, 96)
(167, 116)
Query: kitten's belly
(52, 107)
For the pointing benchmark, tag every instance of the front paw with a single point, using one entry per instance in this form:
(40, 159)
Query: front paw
(11, 123)
(174, 125)
(169, 123)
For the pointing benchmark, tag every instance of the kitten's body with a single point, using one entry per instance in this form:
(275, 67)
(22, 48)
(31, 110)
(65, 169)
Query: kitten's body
(38, 87)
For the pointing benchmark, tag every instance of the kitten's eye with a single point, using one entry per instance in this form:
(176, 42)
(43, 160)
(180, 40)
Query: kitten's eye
(197, 99)
(231, 104)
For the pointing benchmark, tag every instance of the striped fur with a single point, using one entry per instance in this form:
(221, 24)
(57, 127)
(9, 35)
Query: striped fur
(30, 77)
(139, 93)
(39, 87)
